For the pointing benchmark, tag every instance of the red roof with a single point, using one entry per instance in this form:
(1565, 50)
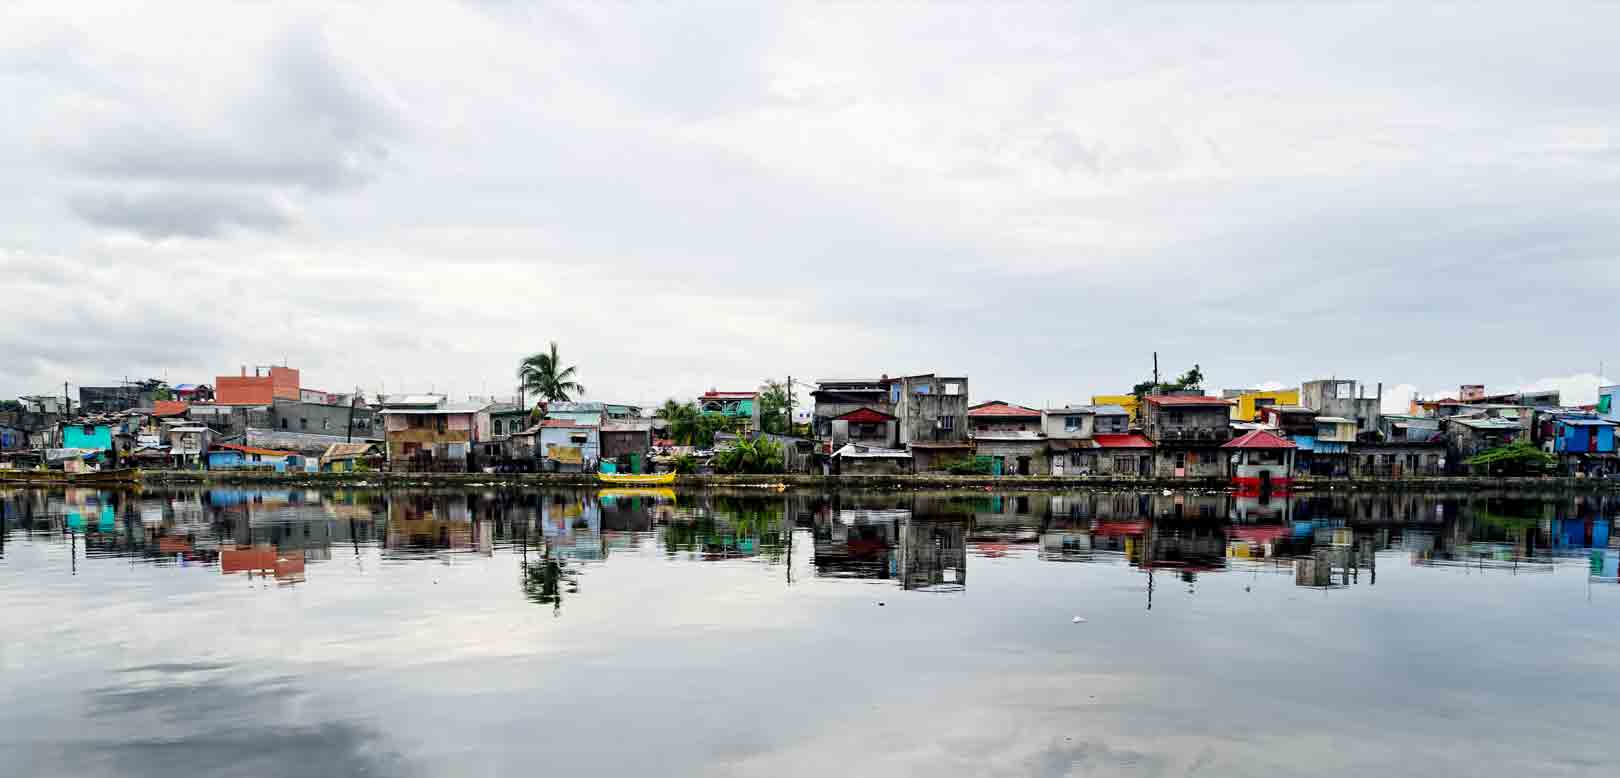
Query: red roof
(1176, 399)
(865, 416)
(1259, 439)
(998, 408)
(168, 408)
(1127, 440)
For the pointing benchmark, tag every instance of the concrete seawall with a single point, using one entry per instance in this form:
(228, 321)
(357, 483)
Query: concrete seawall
(871, 482)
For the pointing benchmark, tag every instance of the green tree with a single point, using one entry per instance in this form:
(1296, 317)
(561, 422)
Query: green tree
(773, 407)
(544, 377)
(761, 455)
(1517, 458)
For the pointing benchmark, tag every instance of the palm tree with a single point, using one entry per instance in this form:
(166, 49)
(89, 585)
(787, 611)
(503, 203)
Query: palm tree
(544, 376)
(683, 421)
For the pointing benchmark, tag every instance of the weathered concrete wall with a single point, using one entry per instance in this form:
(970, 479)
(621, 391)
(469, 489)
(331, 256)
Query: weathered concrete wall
(1011, 450)
(1200, 461)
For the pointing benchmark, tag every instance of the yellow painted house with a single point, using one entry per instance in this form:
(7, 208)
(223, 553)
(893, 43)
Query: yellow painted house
(1126, 401)
(1247, 407)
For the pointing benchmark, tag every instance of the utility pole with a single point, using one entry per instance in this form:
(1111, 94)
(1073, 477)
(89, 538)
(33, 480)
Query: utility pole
(348, 435)
(790, 406)
(1155, 373)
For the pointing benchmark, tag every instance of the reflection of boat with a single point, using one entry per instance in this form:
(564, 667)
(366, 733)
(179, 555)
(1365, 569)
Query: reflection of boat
(627, 479)
(627, 493)
(121, 476)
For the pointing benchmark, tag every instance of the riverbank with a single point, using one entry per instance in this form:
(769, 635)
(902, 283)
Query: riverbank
(866, 482)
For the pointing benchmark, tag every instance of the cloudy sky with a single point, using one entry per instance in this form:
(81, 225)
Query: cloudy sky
(685, 198)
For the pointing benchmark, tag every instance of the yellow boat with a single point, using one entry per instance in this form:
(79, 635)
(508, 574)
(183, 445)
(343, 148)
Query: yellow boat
(626, 492)
(628, 479)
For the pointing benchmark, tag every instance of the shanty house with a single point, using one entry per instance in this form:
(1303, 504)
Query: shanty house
(438, 438)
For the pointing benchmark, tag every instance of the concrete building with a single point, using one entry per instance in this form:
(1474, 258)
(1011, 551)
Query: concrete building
(1121, 455)
(1344, 398)
(358, 421)
(932, 416)
(264, 387)
(1010, 435)
(1187, 433)
(739, 409)
(1069, 431)
(1398, 459)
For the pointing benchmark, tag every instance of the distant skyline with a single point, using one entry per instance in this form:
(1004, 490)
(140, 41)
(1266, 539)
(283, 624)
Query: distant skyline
(691, 197)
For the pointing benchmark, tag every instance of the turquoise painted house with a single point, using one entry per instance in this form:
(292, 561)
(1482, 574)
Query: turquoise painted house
(93, 436)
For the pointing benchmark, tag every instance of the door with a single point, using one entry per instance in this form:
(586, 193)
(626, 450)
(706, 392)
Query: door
(1057, 464)
(1023, 465)
(996, 465)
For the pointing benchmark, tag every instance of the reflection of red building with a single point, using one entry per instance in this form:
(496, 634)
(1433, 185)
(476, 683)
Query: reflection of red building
(263, 560)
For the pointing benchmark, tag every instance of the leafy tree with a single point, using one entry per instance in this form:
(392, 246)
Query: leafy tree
(760, 455)
(689, 426)
(1516, 458)
(685, 464)
(10, 406)
(544, 376)
(773, 410)
(1192, 379)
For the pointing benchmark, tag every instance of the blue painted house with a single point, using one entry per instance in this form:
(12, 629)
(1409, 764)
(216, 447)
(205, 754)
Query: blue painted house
(230, 457)
(1584, 436)
(1586, 445)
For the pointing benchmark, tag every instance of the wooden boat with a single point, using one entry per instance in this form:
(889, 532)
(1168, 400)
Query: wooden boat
(628, 479)
(128, 475)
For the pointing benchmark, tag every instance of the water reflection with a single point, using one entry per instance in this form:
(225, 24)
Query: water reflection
(915, 541)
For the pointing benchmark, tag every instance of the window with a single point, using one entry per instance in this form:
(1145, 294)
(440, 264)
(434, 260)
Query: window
(500, 427)
(1072, 423)
(1124, 464)
(953, 389)
(921, 389)
(1176, 417)
(947, 422)
(326, 424)
(442, 423)
(284, 424)
(1181, 460)
(1076, 459)
(303, 424)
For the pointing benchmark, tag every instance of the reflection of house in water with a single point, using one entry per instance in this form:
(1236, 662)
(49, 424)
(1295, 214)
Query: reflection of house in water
(858, 543)
(427, 523)
(933, 555)
(1066, 545)
(572, 527)
(1337, 565)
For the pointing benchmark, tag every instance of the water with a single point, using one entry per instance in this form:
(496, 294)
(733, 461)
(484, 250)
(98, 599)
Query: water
(445, 633)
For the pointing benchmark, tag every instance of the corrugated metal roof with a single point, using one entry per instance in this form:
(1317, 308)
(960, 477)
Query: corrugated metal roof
(1259, 439)
(866, 452)
(1126, 440)
(998, 408)
(865, 416)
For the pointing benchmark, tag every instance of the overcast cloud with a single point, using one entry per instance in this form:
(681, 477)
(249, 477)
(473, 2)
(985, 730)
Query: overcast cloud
(1039, 196)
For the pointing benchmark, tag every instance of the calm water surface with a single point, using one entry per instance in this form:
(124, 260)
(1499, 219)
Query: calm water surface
(440, 633)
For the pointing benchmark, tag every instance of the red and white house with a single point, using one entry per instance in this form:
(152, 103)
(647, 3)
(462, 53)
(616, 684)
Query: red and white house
(1262, 461)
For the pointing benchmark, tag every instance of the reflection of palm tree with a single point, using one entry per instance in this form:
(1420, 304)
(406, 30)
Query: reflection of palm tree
(545, 580)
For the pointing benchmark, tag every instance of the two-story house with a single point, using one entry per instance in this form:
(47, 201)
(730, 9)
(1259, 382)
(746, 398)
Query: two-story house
(1071, 433)
(1011, 436)
(1187, 432)
(430, 437)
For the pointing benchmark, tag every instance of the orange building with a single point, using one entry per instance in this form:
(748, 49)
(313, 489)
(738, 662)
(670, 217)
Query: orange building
(280, 384)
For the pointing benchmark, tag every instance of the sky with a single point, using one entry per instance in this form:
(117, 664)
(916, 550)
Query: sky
(688, 197)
